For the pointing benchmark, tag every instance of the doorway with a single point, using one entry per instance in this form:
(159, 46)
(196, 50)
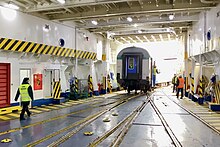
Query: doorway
(5, 84)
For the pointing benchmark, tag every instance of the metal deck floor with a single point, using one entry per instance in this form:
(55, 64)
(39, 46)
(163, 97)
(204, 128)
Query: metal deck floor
(146, 130)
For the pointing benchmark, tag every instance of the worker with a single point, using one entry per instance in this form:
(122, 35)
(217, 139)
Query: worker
(155, 71)
(180, 85)
(174, 82)
(26, 95)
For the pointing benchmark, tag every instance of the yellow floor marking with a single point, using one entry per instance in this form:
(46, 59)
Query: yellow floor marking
(13, 115)
(60, 106)
(216, 124)
(213, 121)
(208, 115)
(65, 104)
(4, 118)
(211, 117)
(35, 111)
(68, 102)
(218, 128)
(51, 107)
(43, 109)
(71, 103)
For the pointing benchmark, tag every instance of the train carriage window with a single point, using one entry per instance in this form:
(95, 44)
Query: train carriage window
(131, 63)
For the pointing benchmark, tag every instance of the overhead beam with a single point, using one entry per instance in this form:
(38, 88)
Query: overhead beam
(75, 3)
(128, 11)
(155, 20)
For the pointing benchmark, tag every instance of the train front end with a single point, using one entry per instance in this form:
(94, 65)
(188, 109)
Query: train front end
(134, 68)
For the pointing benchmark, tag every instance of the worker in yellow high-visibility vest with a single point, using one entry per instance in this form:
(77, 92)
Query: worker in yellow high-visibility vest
(26, 95)
(155, 71)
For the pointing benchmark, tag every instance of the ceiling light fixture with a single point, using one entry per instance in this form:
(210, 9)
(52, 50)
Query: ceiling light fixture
(171, 17)
(94, 22)
(135, 25)
(168, 35)
(129, 19)
(12, 6)
(61, 1)
(161, 37)
(139, 31)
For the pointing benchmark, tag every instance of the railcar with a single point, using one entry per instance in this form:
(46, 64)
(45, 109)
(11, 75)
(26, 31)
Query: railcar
(134, 67)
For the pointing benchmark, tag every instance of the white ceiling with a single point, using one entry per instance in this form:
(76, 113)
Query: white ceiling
(149, 16)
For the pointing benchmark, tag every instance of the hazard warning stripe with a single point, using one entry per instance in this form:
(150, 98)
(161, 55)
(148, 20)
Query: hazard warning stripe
(31, 47)
(192, 85)
(200, 88)
(56, 90)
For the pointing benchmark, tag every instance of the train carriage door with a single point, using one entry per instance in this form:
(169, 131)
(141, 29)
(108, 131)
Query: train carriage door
(4, 84)
(132, 65)
(132, 68)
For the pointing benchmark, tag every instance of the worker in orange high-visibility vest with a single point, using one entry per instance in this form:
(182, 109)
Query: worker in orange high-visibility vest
(180, 85)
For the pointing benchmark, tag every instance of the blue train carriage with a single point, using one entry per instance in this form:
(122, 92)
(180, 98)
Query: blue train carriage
(134, 66)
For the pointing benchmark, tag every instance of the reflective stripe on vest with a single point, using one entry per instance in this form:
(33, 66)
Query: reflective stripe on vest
(181, 83)
(23, 88)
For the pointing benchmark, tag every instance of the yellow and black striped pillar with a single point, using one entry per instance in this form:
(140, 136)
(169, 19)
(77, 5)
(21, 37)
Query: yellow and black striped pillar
(90, 85)
(109, 84)
(217, 93)
(200, 91)
(56, 90)
(103, 90)
(76, 85)
(192, 86)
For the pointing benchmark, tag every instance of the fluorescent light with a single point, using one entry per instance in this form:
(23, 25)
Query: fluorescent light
(61, 1)
(8, 14)
(135, 25)
(12, 6)
(161, 37)
(94, 22)
(171, 17)
(129, 19)
(139, 31)
(168, 36)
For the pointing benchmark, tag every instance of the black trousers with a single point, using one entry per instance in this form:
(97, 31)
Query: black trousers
(25, 109)
(174, 88)
(178, 90)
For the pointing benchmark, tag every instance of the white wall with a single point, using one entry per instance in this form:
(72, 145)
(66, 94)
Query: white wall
(29, 28)
(198, 37)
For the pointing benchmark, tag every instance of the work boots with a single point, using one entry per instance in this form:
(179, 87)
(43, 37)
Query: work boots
(22, 117)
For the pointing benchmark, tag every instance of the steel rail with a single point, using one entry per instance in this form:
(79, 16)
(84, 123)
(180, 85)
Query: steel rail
(124, 130)
(51, 119)
(81, 124)
(176, 142)
(194, 115)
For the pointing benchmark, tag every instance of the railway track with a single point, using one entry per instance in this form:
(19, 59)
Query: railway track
(119, 129)
(91, 128)
(105, 107)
